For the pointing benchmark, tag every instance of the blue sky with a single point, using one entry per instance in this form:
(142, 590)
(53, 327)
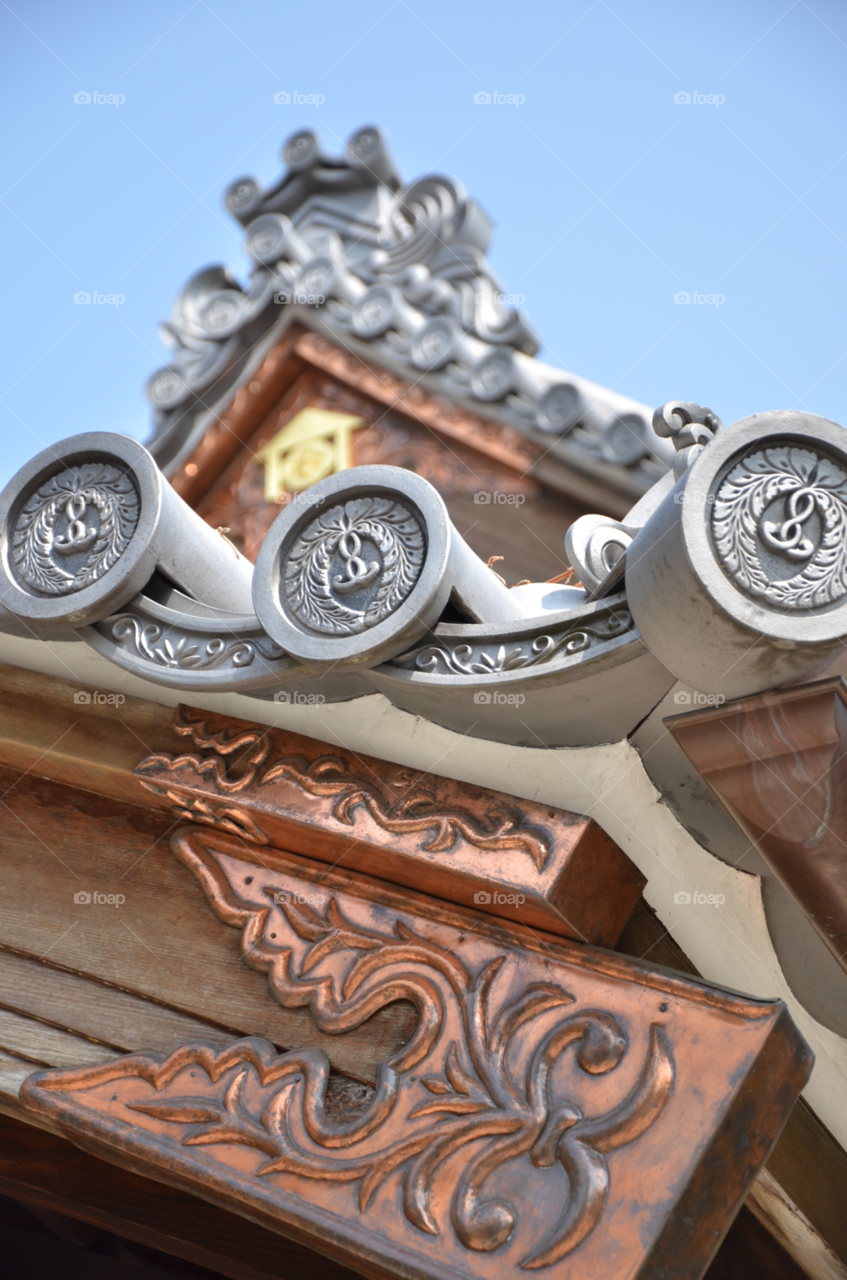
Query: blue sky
(609, 196)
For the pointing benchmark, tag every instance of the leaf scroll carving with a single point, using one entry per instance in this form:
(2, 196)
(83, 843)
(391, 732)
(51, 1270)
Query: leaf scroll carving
(480, 660)
(417, 811)
(479, 1076)
(785, 507)
(74, 528)
(354, 565)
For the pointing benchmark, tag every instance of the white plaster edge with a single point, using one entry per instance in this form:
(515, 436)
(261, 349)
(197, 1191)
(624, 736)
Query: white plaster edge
(729, 944)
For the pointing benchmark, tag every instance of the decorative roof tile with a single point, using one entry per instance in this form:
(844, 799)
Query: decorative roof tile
(398, 273)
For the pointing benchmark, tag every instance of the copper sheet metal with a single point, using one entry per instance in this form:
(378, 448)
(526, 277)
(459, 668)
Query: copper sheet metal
(558, 1110)
(514, 858)
(778, 762)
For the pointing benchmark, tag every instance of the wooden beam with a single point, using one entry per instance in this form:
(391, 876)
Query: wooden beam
(163, 942)
(39, 1168)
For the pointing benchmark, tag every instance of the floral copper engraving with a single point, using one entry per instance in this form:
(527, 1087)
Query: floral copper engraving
(331, 776)
(353, 565)
(478, 1070)
(74, 528)
(778, 509)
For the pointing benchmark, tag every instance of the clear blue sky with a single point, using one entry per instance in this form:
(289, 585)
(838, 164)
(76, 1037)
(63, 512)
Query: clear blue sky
(608, 196)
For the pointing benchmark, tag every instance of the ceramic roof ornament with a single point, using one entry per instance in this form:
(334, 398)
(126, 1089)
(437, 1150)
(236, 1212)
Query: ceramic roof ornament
(399, 273)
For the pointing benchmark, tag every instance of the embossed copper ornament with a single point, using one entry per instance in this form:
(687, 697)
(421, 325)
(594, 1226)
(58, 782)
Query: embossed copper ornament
(557, 1109)
(511, 857)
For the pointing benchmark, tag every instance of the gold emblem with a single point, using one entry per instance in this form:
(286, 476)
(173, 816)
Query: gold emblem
(314, 444)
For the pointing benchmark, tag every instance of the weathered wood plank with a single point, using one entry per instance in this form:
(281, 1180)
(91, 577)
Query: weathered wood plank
(163, 941)
(44, 1045)
(101, 1013)
(13, 1072)
(95, 745)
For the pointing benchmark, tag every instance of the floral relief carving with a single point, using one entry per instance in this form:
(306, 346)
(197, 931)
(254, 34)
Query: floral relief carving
(476, 1077)
(483, 660)
(416, 812)
(74, 528)
(167, 647)
(778, 509)
(354, 565)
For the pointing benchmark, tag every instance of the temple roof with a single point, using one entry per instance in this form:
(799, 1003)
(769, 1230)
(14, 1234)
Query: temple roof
(398, 274)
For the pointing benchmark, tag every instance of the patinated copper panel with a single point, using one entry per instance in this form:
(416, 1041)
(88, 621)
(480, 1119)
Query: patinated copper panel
(514, 858)
(558, 1109)
(777, 762)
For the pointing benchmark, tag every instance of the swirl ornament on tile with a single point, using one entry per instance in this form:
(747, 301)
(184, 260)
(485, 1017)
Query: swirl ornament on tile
(781, 510)
(74, 528)
(353, 566)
